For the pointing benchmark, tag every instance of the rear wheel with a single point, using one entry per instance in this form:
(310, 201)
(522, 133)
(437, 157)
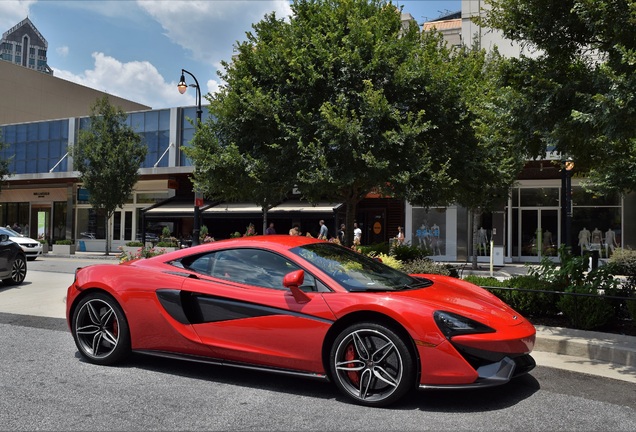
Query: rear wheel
(100, 329)
(371, 364)
(18, 271)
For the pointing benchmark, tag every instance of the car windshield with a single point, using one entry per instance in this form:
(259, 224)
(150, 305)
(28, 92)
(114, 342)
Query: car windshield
(357, 272)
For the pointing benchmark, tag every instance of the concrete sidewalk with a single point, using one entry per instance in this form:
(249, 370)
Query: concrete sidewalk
(595, 353)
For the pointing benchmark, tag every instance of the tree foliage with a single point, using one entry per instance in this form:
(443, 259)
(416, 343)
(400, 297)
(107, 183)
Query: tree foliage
(578, 91)
(108, 156)
(340, 100)
(494, 161)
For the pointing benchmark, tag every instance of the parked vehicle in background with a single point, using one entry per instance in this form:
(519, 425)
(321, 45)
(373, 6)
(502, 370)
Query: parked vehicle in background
(13, 265)
(32, 248)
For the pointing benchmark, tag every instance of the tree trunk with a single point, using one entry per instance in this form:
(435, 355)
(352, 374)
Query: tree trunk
(351, 206)
(107, 252)
(477, 212)
(265, 209)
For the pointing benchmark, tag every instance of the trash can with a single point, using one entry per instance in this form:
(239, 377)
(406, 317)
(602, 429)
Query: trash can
(594, 260)
(498, 256)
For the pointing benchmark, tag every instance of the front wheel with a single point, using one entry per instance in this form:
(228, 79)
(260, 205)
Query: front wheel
(372, 365)
(18, 271)
(100, 329)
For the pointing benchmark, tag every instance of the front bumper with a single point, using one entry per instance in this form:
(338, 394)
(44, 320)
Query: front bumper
(492, 374)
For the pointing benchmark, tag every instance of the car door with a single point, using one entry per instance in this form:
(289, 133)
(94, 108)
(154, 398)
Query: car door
(245, 314)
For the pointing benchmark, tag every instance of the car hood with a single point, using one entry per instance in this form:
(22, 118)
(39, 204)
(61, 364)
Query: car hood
(469, 300)
(23, 240)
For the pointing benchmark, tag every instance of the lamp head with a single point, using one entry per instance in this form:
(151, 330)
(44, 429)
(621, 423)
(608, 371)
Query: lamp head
(182, 86)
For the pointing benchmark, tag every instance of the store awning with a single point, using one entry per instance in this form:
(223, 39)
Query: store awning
(305, 207)
(173, 209)
(176, 209)
(233, 208)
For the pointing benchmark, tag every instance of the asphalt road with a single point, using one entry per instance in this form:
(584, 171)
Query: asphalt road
(45, 385)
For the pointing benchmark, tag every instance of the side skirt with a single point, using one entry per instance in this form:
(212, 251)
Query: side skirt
(218, 362)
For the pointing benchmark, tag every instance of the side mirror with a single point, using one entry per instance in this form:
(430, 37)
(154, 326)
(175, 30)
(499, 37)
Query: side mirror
(4, 237)
(293, 281)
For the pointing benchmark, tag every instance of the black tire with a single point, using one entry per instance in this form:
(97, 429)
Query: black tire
(18, 271)
(372, 365)
(100, 329)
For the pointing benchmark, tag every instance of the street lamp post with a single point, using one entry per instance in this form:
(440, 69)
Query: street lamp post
(182, 86)
(566, 202)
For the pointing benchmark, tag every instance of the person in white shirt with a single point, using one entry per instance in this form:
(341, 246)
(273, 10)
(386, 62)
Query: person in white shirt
(357, 234)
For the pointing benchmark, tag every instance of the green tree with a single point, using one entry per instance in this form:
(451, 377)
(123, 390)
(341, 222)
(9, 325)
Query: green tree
(495, 159)
(108, 156)
(339, 100)
(578, 92)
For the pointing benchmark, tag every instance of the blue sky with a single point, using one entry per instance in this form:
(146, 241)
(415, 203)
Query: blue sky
(136, 49)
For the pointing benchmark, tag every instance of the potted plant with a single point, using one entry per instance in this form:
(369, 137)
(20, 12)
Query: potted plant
(132, 246)
(44, 242)
(167, 242)
(64, 247)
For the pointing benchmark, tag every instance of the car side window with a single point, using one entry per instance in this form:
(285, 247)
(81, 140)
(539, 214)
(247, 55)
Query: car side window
(249, 266)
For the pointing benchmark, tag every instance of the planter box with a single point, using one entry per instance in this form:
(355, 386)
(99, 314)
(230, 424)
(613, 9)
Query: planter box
(45, 248)
(64, 249)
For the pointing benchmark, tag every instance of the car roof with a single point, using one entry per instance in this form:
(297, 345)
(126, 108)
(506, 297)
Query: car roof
(272, 242)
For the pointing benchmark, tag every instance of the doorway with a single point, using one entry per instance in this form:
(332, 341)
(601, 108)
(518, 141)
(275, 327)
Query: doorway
(537, 233)
(40, 223)
(121, 228)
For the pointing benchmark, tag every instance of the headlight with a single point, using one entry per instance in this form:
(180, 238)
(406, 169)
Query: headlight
(452, 324)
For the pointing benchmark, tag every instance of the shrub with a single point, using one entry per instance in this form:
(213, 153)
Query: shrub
(377, 248)
(586, 313)
(623, 262)
(134, 244)
(425, 265)
(531, 302)
(64, 242)
(407, 252)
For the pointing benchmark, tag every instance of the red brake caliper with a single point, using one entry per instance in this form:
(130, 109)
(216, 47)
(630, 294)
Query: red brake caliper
(354, 376)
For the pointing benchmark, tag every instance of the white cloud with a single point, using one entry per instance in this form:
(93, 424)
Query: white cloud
(62, 51)
(209, 29)
(12, 12)
(137, 81)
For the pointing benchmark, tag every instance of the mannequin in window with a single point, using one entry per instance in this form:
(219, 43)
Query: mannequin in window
(610, 242)
(547, 240)
(482, 240)
(436, 241)
(584, 239)
(597, 238)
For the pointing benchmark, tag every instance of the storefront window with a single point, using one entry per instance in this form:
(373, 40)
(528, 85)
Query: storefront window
(90, 224)
(580, 197)
(429, 230)
(539, 197)
(151, 197)
(59, 220)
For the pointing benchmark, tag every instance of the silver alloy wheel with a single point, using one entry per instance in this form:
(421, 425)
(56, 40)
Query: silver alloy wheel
(97, 329)
(368, 365)
(18, 271)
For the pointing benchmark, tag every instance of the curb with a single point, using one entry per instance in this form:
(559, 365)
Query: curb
(603, 347)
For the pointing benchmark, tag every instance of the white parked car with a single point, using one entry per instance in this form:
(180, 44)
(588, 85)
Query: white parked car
(32, 248)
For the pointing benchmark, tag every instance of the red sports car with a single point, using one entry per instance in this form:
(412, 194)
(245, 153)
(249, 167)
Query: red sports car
(301, 306)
